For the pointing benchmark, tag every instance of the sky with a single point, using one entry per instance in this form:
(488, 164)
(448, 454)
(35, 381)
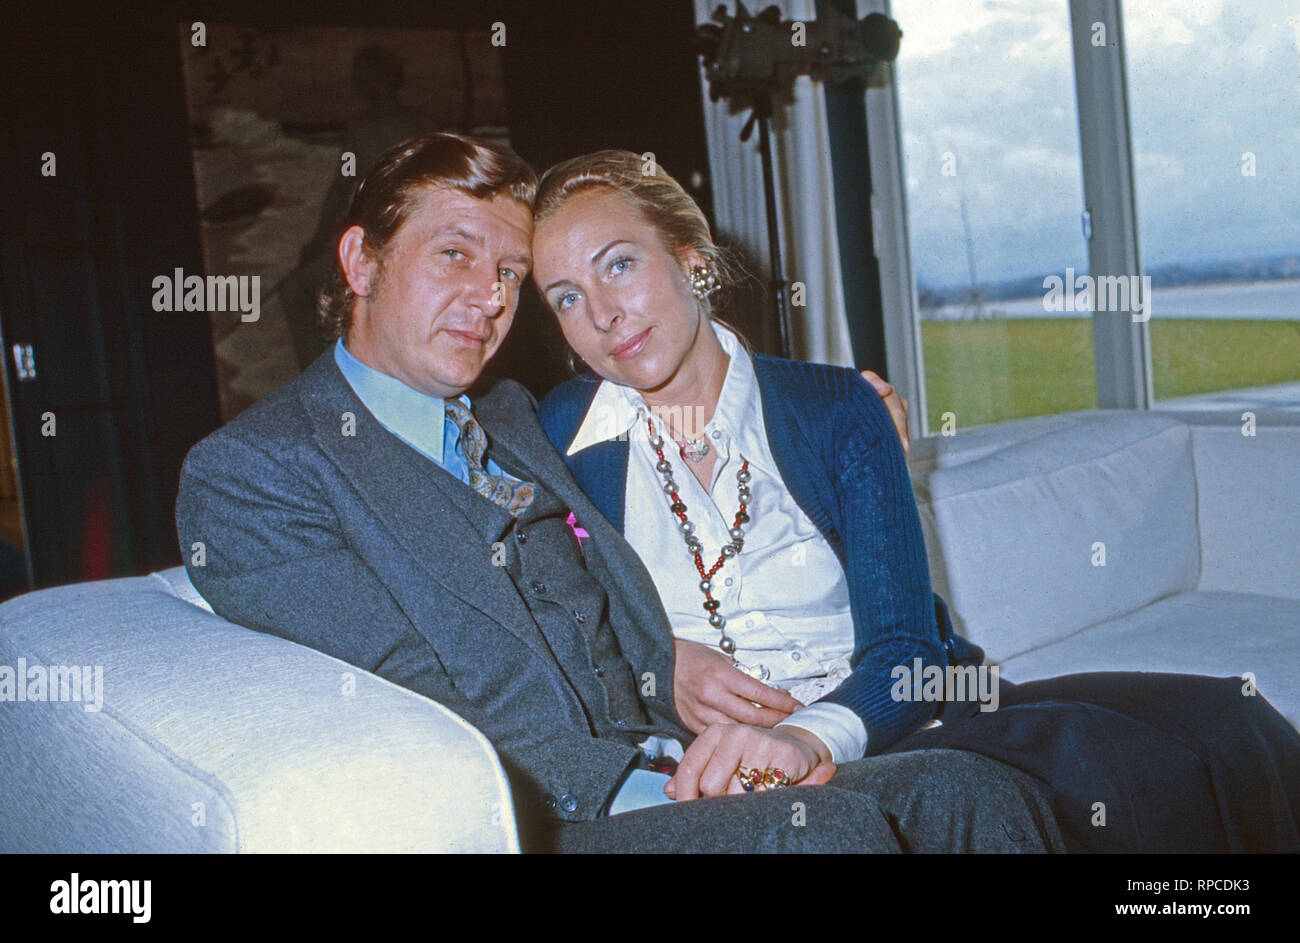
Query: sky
(991, 83)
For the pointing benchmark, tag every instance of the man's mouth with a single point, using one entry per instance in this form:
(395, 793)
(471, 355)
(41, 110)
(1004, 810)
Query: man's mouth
(631, 347)
(469, 337)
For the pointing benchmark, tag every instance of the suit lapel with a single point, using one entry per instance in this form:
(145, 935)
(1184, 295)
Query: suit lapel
(406, 492)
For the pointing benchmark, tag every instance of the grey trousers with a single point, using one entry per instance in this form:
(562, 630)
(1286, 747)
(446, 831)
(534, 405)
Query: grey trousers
(919, 801)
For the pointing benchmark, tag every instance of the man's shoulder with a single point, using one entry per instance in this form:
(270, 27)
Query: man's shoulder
(502, 392)
(282, 418)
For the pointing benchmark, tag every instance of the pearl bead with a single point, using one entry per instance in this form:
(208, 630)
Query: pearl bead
(686, 528)
(670, 486)
(736, 533)
(663, 466)
(726, 644)
(728, 551)
(717, 621)
(706, 586)
(657, 442)
(743, 475)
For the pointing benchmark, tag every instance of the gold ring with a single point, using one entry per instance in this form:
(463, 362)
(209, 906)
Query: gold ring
(749, 778)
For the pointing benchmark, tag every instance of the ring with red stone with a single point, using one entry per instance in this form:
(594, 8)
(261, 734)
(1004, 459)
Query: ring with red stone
(749, 778)
(775, 778)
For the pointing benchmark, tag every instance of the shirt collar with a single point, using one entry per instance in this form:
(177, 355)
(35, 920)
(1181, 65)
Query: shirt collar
(414, 417)
(616, 409)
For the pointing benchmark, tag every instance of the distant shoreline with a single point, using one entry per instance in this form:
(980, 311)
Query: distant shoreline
(1268, 299)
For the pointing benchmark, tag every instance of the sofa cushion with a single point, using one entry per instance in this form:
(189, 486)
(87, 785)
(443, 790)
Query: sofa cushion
(1248, 509)
(212, 737)
(1012, 514)
(1212, 633)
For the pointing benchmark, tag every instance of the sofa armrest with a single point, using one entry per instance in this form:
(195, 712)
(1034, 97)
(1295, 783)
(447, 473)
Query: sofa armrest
(211, 737)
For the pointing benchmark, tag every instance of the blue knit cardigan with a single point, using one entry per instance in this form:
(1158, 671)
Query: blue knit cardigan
(838, 453)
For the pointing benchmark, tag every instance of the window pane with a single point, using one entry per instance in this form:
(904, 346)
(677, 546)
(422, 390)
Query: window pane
(995, 192)
(1215, 113)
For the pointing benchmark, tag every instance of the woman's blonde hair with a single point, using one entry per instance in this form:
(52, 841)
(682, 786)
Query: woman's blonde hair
(662, 201)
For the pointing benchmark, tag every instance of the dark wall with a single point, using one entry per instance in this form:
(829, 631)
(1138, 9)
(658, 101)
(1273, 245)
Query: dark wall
(132, 389)
(128, 388)
(587, 76)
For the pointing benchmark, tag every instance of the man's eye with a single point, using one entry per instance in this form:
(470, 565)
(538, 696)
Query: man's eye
(509, 275)
(453, 253)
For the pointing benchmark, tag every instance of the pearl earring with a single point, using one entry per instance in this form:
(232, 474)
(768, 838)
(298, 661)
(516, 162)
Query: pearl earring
(704, 281)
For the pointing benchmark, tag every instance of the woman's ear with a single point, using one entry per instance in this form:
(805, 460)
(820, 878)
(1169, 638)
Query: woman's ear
(690, 260)
(358, 267)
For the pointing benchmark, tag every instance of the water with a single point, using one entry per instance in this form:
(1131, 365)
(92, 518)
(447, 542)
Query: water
(1272, 300)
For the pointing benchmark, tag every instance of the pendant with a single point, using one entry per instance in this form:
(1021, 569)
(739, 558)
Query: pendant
(695, 449)
(758, 673)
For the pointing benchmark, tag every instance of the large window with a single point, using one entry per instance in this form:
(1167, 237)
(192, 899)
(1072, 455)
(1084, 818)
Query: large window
(1214, 99)
(990, 141)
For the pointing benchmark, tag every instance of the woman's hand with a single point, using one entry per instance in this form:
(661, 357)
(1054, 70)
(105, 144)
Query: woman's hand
(707, 689)
(896, 404)
(710, 764)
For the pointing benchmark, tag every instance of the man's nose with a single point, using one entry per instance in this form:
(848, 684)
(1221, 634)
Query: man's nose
(487, 292)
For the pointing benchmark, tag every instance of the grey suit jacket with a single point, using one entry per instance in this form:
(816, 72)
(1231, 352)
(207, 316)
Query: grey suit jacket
(349, 543)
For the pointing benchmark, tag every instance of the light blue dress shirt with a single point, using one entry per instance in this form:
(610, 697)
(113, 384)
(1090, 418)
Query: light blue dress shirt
(419, 420)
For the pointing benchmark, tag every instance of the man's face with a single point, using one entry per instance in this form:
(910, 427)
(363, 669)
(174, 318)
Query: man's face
(436, 306)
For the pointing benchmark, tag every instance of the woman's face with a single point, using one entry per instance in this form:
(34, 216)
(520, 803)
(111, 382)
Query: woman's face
(622, 300)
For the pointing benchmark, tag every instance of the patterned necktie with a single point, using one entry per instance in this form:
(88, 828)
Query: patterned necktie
(502, 491)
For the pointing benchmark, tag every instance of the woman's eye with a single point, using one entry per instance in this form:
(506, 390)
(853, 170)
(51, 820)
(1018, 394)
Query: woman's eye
(566, 300)
(619, 266)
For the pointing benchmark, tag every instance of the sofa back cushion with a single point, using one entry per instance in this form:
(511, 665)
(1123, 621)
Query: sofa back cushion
(1248, 508)
(1040, 528)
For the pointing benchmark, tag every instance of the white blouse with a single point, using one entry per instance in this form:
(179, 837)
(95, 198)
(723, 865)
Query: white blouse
(784, 595)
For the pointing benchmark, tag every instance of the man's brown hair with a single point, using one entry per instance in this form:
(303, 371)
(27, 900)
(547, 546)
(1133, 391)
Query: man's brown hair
(482, 169)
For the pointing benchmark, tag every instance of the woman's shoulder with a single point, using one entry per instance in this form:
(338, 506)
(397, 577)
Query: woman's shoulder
(808, 384)
(561, 411)
(820, 393)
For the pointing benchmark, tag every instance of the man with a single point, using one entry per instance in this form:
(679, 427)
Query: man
(358, 510)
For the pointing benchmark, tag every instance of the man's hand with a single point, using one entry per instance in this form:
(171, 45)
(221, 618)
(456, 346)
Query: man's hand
(896, 404)
(709, 766)
(707, 689)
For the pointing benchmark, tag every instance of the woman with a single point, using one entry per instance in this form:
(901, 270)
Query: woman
(771, 503)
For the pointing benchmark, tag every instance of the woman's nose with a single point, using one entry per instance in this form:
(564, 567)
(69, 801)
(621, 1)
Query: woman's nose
(605, 312)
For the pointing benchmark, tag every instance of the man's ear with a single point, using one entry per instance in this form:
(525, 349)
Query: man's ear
(358, 267)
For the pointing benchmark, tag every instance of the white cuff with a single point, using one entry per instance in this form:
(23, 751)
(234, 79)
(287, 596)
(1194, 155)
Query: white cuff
(836, 726)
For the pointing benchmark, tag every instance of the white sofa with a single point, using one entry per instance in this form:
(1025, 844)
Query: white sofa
(216, 738)
(212, 737)
(1199, 524)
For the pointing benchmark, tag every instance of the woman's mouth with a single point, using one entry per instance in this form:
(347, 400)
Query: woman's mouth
(632, 346)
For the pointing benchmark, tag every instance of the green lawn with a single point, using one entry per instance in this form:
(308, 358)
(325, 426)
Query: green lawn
(990, 371)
